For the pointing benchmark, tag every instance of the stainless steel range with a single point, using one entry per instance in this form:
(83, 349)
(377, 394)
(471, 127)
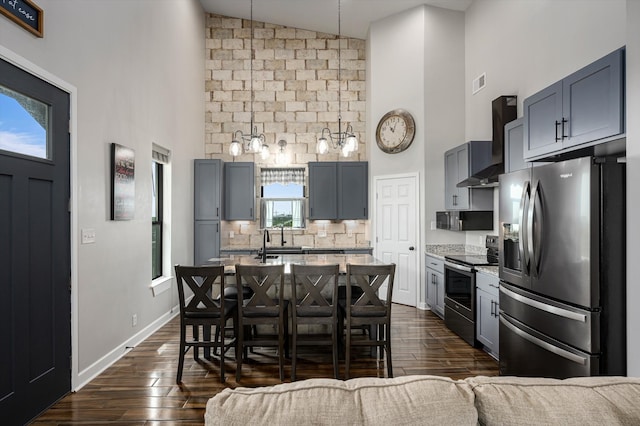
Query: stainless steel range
(460, 289)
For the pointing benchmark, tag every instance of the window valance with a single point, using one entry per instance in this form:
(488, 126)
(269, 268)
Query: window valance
(282, 176)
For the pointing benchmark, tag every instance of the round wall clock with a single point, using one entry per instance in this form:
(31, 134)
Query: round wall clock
(395, 131)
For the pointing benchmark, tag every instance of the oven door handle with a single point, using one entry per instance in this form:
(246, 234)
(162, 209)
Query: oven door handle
(458, 267)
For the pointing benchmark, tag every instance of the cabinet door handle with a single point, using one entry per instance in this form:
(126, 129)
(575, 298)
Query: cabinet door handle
(217, 211)
(564, 120)
(251, 211)
(557, 124)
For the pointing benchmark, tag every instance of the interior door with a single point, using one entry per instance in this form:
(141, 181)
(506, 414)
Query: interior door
(35, 302)
(397, 233)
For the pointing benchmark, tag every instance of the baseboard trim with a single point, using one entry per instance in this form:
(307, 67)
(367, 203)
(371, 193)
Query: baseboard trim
(91, 372)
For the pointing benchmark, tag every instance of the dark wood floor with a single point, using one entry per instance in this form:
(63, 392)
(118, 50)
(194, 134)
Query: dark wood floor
(140, 388)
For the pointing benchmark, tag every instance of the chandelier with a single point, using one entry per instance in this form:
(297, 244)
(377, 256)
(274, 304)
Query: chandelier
(344, 139)
(253, 142)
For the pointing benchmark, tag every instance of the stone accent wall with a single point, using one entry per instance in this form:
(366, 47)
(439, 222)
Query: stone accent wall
(295, 85)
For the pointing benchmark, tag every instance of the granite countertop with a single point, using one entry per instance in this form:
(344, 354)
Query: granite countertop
(298, 259)
(304, 248)
(441, 250)
(491, 270)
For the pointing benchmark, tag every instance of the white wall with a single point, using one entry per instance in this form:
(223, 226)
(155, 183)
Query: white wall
(420, 51)
(633, 195)
(138, 68)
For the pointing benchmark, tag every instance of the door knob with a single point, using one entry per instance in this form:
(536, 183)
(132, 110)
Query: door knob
(412, 248)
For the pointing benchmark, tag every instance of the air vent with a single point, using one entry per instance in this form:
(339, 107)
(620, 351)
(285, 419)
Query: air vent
(479, 83)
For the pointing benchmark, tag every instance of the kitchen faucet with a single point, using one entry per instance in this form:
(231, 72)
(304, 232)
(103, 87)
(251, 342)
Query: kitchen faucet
(265, 239)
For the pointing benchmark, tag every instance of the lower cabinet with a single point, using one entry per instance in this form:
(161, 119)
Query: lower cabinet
(434, 285)
(207, 241)
(487, 311)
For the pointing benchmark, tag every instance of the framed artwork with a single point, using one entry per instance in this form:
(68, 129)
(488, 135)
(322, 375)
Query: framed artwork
(122, 182)
(25, 13)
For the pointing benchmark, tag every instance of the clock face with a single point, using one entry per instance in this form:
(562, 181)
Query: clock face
(395, 131)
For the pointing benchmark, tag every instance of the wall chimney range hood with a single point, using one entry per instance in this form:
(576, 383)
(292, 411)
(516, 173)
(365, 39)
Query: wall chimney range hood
(503, 110)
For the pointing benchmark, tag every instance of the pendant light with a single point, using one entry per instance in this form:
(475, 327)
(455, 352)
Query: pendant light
(343, 140)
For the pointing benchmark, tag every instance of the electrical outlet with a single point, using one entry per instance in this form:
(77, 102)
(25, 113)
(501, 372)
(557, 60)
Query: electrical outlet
(231, 234)
(433, 225)
(322, 233)
(88, 236)
(134, 320)
(349, 232)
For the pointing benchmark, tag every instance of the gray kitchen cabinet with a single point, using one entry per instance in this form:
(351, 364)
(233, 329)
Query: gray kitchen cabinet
(338, 190)
(206, 241)
(434, 285)
(460, 163)
(514, 146)
(239, 191)
(207, 189)
(353, 190)
(323, 183)
(586, 106)
(207, 209)
(487, 311)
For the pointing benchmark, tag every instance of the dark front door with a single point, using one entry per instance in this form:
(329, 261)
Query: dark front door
(35, 305)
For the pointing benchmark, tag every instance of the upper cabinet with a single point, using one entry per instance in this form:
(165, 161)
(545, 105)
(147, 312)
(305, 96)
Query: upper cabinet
(208, 189)
(239, 191)
(353, 192)
(338, 190)
(514, 145)
(460, 163)
(584, 107)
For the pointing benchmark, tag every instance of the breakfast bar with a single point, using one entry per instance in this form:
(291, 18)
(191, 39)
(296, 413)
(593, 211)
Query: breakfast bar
(298, 259)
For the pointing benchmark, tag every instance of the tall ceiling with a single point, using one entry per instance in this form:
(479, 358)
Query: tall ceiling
(322, 15)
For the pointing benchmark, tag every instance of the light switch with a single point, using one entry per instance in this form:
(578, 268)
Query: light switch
(433, 225)
(231, 234)
(88, 236)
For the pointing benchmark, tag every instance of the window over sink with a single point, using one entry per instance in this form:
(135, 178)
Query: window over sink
(282, 202)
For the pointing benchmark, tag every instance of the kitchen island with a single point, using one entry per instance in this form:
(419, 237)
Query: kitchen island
(287, 260)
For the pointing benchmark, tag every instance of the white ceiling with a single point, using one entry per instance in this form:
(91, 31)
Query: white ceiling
(322, 15)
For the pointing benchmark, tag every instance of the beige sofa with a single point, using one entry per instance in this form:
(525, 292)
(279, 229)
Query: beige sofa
(425, 400)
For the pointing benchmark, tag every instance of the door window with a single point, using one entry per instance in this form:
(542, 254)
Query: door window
(23, 124)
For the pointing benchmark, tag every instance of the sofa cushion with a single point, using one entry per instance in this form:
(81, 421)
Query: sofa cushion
(404, 400)
(539, 401)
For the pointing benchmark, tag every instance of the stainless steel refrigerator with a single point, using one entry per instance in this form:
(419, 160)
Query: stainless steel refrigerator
(562, 269)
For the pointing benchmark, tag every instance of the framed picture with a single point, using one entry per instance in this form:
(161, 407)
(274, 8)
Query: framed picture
(123, 187)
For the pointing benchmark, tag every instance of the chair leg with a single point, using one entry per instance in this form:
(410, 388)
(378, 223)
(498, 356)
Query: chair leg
(334, 338)
(181, 355)
(196, 337)
(281, 331)
(387, 337)
(221, 363)
(286, 333)
(239, 351)
(347, 354)
(294, 348)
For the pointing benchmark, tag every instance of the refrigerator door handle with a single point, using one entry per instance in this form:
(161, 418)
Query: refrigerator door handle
(541, 343)
(524, 254)
(543, 306)
(534, 249)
